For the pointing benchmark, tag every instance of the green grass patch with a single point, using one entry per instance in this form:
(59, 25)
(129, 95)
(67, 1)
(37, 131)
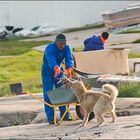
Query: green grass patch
(77, 49)
(25, 68)
(134, 55)
(19, 37)
(129, 32)
(86, 27)
(27, 37)
(16, 47)
(136, 41)
(129, 90)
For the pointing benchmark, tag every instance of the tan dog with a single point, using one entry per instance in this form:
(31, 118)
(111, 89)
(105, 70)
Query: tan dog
(97, 102)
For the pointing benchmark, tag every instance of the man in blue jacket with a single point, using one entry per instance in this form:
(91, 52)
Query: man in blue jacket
(96, 42)
(53, 57)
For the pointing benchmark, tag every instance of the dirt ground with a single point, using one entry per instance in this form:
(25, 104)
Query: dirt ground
(27, 113)
(125, 128)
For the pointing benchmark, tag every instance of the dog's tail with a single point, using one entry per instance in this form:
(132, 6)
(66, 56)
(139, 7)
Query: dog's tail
(112, 90)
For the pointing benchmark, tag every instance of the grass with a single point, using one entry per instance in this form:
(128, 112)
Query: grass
(134, 55)
(77, 49)
(129, 32)
(136, 41)
(86, 27)
(23, 65)
(129, 90)
(16, 47)
(25, 68)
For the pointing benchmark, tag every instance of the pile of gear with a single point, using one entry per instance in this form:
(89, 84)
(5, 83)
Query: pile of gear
(7, 31)
(10, 31)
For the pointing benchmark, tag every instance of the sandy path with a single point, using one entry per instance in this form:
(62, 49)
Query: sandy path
(124, 128)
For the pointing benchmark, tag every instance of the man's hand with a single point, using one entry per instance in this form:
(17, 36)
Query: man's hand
(57, 71)
(69, 70)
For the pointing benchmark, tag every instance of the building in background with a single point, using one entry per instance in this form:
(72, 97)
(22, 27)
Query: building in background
(28, 14)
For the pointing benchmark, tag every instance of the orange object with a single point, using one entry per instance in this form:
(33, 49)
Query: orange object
(69, 70)
(57, 71)
(66, 72)
(102, 39)
(64, 67)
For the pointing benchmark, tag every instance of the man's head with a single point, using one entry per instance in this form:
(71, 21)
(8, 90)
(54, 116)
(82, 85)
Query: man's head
(60, 41)
(105, 35)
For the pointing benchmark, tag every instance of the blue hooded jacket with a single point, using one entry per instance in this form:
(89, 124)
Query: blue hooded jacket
(93, 43)
(53, 56)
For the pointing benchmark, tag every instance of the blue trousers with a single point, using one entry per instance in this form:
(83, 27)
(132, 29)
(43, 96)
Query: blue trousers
(48, 82)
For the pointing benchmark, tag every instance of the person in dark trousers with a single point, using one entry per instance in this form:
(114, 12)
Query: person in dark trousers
(95, 42)
(53, 57)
